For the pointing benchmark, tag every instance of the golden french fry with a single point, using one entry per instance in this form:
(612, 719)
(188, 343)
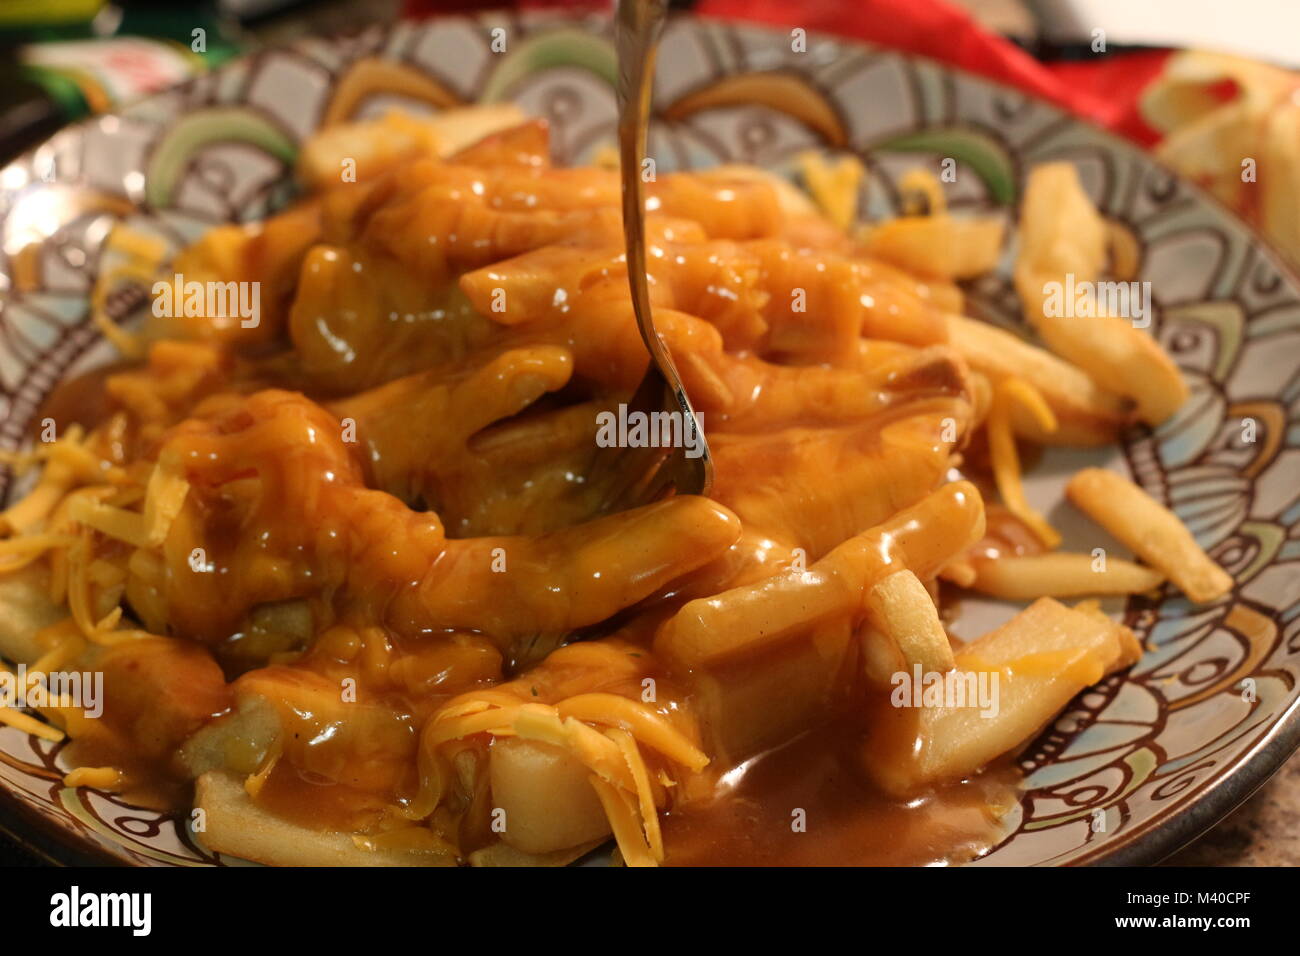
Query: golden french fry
(1151, 530)
(1013, 681)
(881, 658)
(1086, 414)
(362, 150)
(1207, 136)
(765, 658)
(376, 145)
(938, 246)
(1061, 574)
(1189, 88)
(744, 620)
(790, 198)
(1060, 229)
(1063, 243)
(900, 607)
(233, 824)
(1115, 354)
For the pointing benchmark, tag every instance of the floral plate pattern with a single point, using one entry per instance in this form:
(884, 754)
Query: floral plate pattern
(1135, 767)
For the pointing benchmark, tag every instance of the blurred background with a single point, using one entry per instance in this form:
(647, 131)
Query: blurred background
(63, 59)
(1229, 66)
(1201, 83)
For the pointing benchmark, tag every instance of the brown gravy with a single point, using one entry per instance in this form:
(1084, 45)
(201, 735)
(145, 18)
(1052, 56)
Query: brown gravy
(846, 820)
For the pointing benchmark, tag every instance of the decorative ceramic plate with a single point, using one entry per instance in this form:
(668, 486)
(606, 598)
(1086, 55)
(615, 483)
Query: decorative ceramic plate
(1135, 767)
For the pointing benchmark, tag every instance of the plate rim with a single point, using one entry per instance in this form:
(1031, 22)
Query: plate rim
(56, 843)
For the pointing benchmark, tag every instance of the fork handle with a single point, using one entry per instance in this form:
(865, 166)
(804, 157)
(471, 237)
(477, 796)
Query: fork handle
(638, 25)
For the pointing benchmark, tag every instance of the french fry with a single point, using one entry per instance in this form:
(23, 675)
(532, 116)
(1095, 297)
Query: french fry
(1280, 185)
(1040, 659)
(1206, 135)
(1086, 414)
(765, 659)
(1114, 353)
(158, 690)
(376, 145)
(790, 198)
(748, 704)
(900, 607)
(741, 621)
(1151, 530)
(234, 825)
(459, 128)
(881, 658)
(1061, 574)
(1063, 236)
(938, 246)
(1060, 229)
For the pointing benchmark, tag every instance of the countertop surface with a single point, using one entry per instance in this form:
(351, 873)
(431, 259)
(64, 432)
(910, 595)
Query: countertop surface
(1264, 831)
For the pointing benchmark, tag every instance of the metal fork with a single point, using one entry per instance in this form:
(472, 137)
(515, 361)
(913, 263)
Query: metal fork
(640, 475)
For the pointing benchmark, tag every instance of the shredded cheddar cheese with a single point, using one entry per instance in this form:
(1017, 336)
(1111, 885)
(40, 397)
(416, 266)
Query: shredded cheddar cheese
(623, 821)
(17, 553)
(118, 523)
(256, 781)
(959, 571)
(604, 732)
(29, 724)
(644, 794)
(922, 183)
(833, 188)
(132, 257)
(1005, 458)
(650, 728)
(97, 778)
(164, 498)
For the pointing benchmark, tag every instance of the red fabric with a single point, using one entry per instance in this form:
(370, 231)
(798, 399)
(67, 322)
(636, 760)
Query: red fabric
(1115, 83)
(1105, 90)
(929, 28)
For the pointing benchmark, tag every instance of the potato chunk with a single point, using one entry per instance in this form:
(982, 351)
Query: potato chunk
(1031, 667)
(234, 825)
(546, 794)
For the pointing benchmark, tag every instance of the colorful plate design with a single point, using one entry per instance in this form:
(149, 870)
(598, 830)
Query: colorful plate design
(1137, 766)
